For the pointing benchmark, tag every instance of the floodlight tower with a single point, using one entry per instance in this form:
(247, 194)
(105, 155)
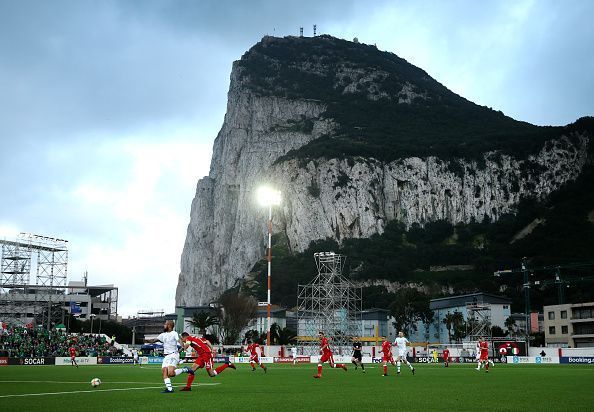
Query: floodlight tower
(269, 197)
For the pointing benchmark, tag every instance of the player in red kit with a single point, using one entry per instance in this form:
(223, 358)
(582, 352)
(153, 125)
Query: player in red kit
(387, 356)
(484, 358)
(326, 356)
(73, 356)
(252, 349)
(203, 349)
(446, 357)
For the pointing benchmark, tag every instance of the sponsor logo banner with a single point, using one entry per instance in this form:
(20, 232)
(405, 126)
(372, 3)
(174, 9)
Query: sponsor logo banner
(65, 361)
(216, 359)
(106, 360)
(289, 359)
(246, 359)
(577, 359)
(31, 361)
(3, 361)
(537, 360)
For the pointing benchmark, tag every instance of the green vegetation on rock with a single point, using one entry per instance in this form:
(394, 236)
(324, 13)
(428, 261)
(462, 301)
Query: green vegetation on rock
(383, 106)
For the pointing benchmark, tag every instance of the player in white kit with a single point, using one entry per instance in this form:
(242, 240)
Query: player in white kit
(170, 340)
(294, 354)
(401, 343)
(135, 357)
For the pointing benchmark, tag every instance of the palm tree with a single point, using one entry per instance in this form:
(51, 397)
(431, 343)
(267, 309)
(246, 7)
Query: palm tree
(510, 324)
(275, 333)
(459, 326)
(448, 321)
(286, 336)
(203, 320)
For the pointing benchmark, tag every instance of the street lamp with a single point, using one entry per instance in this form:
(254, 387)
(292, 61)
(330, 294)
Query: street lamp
(269, 197)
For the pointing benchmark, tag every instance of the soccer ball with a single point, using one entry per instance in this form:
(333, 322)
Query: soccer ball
(95, 382)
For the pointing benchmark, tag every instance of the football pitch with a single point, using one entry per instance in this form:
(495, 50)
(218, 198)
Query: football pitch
(293, 388)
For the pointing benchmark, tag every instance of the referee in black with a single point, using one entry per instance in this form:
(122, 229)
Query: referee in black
(357, 358)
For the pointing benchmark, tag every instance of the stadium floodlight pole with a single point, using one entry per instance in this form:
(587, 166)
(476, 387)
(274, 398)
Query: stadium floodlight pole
(92, 316)
(526, 299)
(269, 197)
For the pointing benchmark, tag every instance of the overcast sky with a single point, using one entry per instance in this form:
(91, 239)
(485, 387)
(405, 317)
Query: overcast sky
(109, 109)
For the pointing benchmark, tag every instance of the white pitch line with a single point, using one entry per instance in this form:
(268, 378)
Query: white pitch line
(94, 390)
(136, 383)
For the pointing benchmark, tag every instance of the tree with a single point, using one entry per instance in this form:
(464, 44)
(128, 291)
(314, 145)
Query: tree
(203, 320)
(497, 332)
(455, 325)
(459, 326)
(411, 307)
(235, 313)
(254, 336)
(448, 321)
(275, 333)
(537, 339)
(286, 336)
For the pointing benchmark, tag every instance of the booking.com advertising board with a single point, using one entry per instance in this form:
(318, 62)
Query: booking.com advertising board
(577, 360)
(111, 360)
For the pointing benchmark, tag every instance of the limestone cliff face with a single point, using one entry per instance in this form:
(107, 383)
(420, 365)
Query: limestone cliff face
(357, 199)
(226, 225)
(338, 198)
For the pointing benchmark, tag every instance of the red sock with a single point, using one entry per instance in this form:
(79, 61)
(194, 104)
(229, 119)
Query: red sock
(320, 370)
(252, 365)
(221, 368)
(487, 366)
(190, 380)
(340, 365)
(385, 370)
(263, 366)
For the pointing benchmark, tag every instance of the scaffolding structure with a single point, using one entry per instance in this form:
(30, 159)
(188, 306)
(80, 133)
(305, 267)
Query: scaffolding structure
(15, 271)
(41, 303)
(331, 304)
(479, 320)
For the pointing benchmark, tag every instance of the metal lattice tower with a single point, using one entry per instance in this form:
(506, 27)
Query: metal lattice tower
(330, 303)
(15, 270)
(21, 301)
(52, 268)
(479, 320)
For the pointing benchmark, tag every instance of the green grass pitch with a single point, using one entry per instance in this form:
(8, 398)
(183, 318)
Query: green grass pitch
(292, 388)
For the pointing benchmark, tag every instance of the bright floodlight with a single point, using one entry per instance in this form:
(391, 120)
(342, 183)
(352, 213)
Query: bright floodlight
(268, 196)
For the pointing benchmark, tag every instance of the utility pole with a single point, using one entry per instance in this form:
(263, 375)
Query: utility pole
(526, 297)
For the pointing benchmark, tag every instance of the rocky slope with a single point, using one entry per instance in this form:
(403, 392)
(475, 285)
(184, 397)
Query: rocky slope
(273, 124)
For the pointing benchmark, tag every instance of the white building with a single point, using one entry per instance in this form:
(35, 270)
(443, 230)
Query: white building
(491, 308)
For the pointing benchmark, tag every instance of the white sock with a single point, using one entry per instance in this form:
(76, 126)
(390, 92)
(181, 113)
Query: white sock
(398, 366)
(168, 384)
(409, 365)
(479, 365)
(178, 371)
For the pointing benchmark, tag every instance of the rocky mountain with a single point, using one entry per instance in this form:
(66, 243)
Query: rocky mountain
(356, 138)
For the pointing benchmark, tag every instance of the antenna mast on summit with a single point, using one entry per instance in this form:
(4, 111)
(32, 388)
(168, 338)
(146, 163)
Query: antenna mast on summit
(300, 31)
(315, 29)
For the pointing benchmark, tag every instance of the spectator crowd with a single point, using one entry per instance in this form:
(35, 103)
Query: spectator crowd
(16, 341)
